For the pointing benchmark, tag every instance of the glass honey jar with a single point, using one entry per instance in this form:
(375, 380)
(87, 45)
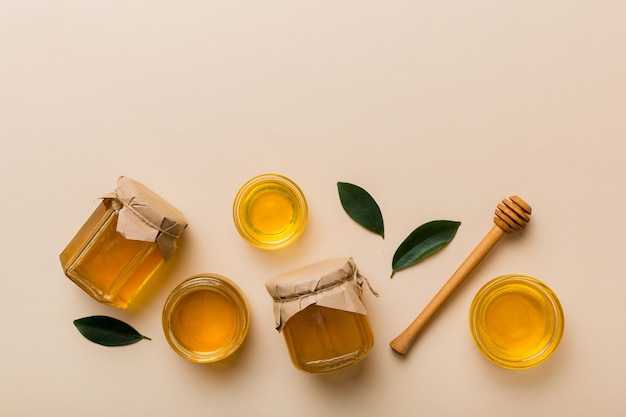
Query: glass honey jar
(131, 233)
(320, 312)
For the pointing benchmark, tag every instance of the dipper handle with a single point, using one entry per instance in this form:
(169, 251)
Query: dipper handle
(510, 216)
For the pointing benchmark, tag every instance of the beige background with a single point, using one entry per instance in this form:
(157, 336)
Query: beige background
(439, 108)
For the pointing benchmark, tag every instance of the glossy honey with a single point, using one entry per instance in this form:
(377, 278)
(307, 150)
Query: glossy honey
(270, 211)
(102, 262)
(321, 339)
(516, 321)
(206, 318)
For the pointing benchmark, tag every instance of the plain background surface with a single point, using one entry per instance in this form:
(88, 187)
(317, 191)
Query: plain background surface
(439, 109)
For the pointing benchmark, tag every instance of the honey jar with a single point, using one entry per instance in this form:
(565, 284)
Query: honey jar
(320, 312)
(131, 233)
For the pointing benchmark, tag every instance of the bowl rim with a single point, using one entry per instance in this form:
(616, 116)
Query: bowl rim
(256, 239)
(211, 282)
(546, 292)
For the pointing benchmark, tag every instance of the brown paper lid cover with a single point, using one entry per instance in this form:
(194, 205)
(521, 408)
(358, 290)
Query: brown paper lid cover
(147, 217)
(334, 283)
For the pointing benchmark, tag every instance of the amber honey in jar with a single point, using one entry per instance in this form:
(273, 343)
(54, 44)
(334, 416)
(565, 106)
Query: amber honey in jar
(320, 312)
(131, 233)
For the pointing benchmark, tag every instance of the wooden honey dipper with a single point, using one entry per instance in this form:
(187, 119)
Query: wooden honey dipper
(510, 216)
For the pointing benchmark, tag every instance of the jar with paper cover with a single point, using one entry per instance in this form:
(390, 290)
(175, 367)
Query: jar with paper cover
(131, 233)
(320, 312)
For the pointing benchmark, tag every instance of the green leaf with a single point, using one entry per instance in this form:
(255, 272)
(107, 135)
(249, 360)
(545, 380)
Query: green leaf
(108, 331)
(423, 241)
(361, 207)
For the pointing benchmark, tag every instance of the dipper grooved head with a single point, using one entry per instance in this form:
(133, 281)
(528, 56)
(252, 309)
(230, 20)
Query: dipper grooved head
(512, 215)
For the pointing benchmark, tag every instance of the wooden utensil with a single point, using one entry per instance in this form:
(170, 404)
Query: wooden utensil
(510, 216)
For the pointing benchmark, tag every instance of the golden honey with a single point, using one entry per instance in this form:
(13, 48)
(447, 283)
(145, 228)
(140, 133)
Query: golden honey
(270, 211)
(320, 339)
(205, 318)
(111, 267)
(321, 315)
(516, 321)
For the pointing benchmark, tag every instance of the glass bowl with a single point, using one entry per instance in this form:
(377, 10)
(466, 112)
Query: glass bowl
(516, 321)
(206, 318)
(270, 211)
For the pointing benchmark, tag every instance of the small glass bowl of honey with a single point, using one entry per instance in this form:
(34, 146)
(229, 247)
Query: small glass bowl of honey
(206, 318)
(516, 321)
(270, 211)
